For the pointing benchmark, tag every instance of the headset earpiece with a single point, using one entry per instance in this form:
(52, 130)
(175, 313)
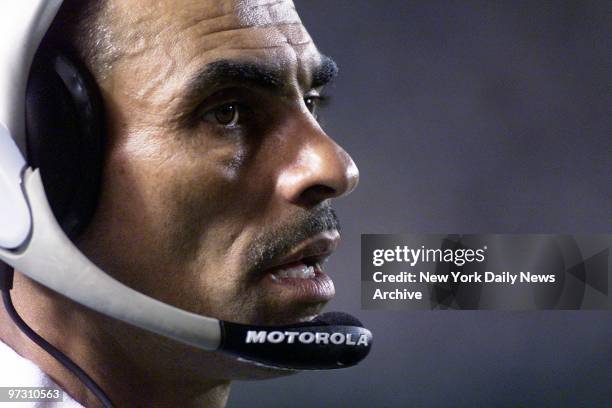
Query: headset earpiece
(65, 136)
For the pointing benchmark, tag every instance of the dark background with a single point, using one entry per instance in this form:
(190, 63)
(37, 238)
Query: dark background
(471, 116)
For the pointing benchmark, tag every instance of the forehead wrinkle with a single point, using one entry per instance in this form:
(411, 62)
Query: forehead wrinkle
(247, 3)
(272, 47)
(223, 7)
(268, 13)
(254, 16)
(253, 38)
(253, 27)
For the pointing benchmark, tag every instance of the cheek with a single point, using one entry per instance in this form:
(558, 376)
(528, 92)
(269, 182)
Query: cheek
(159, 203)
(176, 195)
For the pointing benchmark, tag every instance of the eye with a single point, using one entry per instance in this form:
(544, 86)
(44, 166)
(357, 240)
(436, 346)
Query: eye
(312, 103)
(225, 115)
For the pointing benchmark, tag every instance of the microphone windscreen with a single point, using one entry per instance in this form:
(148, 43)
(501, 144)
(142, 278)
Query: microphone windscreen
(331, 340)
(337, 319)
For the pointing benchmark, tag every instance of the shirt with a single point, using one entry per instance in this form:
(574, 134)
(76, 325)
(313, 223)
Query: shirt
(17, 371)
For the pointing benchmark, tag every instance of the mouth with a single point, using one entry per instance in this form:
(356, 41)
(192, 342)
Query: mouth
(299, 277)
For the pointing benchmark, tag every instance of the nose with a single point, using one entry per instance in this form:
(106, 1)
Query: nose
(320, 169)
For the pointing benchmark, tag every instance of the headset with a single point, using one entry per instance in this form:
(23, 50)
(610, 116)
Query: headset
(51, 113)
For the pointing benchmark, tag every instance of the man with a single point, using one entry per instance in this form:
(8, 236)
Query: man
(215, 195)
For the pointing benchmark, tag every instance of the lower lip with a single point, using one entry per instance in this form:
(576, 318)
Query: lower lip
(319, 288)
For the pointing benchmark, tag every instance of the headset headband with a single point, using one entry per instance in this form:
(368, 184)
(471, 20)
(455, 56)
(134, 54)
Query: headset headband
(22, 27)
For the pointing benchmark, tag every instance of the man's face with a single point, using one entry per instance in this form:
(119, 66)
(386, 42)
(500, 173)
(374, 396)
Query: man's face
(218, 176)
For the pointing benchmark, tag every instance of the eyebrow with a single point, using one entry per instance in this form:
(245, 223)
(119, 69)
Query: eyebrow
(225, 72)
(325, 72)
(218, 73)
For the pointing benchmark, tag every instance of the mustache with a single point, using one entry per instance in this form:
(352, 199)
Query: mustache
(276, 243)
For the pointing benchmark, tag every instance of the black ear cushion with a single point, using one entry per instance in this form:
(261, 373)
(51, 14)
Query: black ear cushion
(65, 136)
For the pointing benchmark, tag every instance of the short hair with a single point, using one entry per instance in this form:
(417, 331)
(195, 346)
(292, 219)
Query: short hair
(85, 27)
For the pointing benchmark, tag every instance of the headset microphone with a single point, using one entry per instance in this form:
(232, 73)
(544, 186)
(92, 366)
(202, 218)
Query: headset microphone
(331, 340)
(34, 243)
